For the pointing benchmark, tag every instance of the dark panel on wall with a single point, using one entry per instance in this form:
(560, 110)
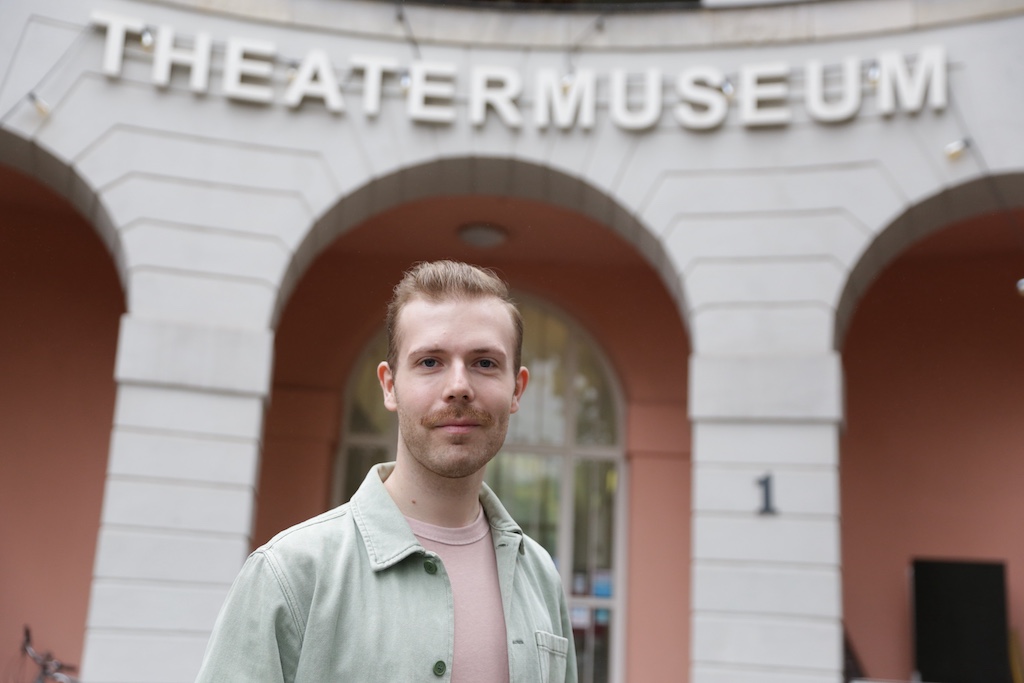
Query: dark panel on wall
(960, 625)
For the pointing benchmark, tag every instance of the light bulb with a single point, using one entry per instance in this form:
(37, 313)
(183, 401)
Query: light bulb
(567, 81)
(39, 103)
(955, 149)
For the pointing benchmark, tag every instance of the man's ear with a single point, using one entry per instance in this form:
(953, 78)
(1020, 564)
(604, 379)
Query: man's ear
(522, 379)
(387, 385)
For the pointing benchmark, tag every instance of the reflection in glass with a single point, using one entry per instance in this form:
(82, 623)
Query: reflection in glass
(595, 401)
(591, 629)
(528, 486)
(360, 460)
(541, 418)
(368, 414)
(596, 482)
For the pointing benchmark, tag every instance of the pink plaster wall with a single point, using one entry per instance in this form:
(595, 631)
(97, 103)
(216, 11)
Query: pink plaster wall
(552, 254)
(933, 454)
(60, 302)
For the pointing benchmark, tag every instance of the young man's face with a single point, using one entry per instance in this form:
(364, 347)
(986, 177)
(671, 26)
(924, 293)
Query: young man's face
(454, 386)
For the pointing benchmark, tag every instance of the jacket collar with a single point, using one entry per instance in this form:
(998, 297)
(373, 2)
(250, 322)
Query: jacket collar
(386, 534)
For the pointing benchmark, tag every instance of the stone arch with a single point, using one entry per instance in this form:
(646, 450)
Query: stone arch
(36, 162)
(335, 299)
(470, 176)
(985, 194)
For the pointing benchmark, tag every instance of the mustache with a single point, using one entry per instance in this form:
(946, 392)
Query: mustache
(453, 413)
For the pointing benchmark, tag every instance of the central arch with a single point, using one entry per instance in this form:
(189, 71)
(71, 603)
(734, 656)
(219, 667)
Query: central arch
(600, 273)
(480, 177)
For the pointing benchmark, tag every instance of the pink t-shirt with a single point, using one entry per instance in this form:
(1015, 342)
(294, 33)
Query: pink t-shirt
(481, 653)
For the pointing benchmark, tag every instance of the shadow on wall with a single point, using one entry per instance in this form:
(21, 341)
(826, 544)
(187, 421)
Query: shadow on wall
(60, 304)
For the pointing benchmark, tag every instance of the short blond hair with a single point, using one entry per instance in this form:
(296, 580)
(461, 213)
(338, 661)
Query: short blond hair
(445, 280)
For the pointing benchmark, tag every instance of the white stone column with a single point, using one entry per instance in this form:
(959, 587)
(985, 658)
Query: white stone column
(766, 583)
(179, 499)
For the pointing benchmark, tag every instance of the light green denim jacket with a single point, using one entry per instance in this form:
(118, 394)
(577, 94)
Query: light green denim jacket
(352, 596)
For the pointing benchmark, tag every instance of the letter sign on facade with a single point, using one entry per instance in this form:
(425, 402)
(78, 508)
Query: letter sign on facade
(831, 94)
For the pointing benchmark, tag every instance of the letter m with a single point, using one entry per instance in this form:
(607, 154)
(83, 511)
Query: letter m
(577, 97)
(898, 86)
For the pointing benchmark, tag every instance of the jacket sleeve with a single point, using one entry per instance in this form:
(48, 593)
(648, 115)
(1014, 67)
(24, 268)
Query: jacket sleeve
(257, 636)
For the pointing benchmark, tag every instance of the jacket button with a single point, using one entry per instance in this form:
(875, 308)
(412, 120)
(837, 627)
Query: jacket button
(432, 569)
(439, 668)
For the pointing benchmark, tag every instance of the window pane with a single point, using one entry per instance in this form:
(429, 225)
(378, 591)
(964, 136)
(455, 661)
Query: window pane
(596, 482)
(360, 460)
(596, 422)
(591, 628)
(528, 488)
(368, 414)
(541, 418)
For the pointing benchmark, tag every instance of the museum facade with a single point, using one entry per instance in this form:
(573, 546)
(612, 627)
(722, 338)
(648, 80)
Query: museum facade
(770, 257)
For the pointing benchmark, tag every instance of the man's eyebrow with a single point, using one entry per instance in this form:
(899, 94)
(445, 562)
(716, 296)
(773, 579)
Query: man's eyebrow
(434, 350)
(419, 351)
(496, 350)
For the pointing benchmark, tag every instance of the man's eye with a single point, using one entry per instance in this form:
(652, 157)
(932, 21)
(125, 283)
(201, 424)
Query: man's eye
(485, 363)
(429, 363)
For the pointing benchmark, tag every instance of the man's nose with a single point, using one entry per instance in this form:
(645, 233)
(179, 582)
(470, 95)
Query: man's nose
(459, 387)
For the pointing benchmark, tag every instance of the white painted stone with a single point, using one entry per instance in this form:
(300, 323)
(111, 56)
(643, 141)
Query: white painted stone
(766, 443)
(201, 300)
(644, 172)
(118, 656)
(284, 216)
(382, 141)
(177, 506)
(195, 413)
(832, 234)
(735, 488)
(711, 673)
(169, 556)
(39, 46)
(775, 591)
(862, 16)
(785, 280)
(751, 329)
(757, 23)
(191, 356)
(800, 644)
(159, 455)
(154, 606)
(606, 170)
(261, 168)
(862, 190)
(202, 250)
(799, 387)
(755, 539)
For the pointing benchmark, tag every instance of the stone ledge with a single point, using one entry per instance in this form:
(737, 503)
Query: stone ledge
(747, 22)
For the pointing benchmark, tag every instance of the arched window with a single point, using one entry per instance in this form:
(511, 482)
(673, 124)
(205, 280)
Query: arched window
(561, 473)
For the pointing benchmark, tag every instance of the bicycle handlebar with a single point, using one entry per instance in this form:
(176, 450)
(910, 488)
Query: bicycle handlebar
(49, 666)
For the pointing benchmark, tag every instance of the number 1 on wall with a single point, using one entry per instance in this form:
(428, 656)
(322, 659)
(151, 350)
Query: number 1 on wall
(767, 503)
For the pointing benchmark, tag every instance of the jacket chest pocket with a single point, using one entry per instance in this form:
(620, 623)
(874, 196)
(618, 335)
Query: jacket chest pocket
(552, 653)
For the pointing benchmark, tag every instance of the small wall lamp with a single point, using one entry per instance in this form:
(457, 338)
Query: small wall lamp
(483, 235)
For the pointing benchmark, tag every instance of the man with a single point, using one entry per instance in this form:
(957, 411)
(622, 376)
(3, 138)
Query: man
(423, 575)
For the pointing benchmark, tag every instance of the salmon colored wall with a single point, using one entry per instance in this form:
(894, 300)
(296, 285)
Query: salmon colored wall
(60, 302)
(554, 255)
(932, 459)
